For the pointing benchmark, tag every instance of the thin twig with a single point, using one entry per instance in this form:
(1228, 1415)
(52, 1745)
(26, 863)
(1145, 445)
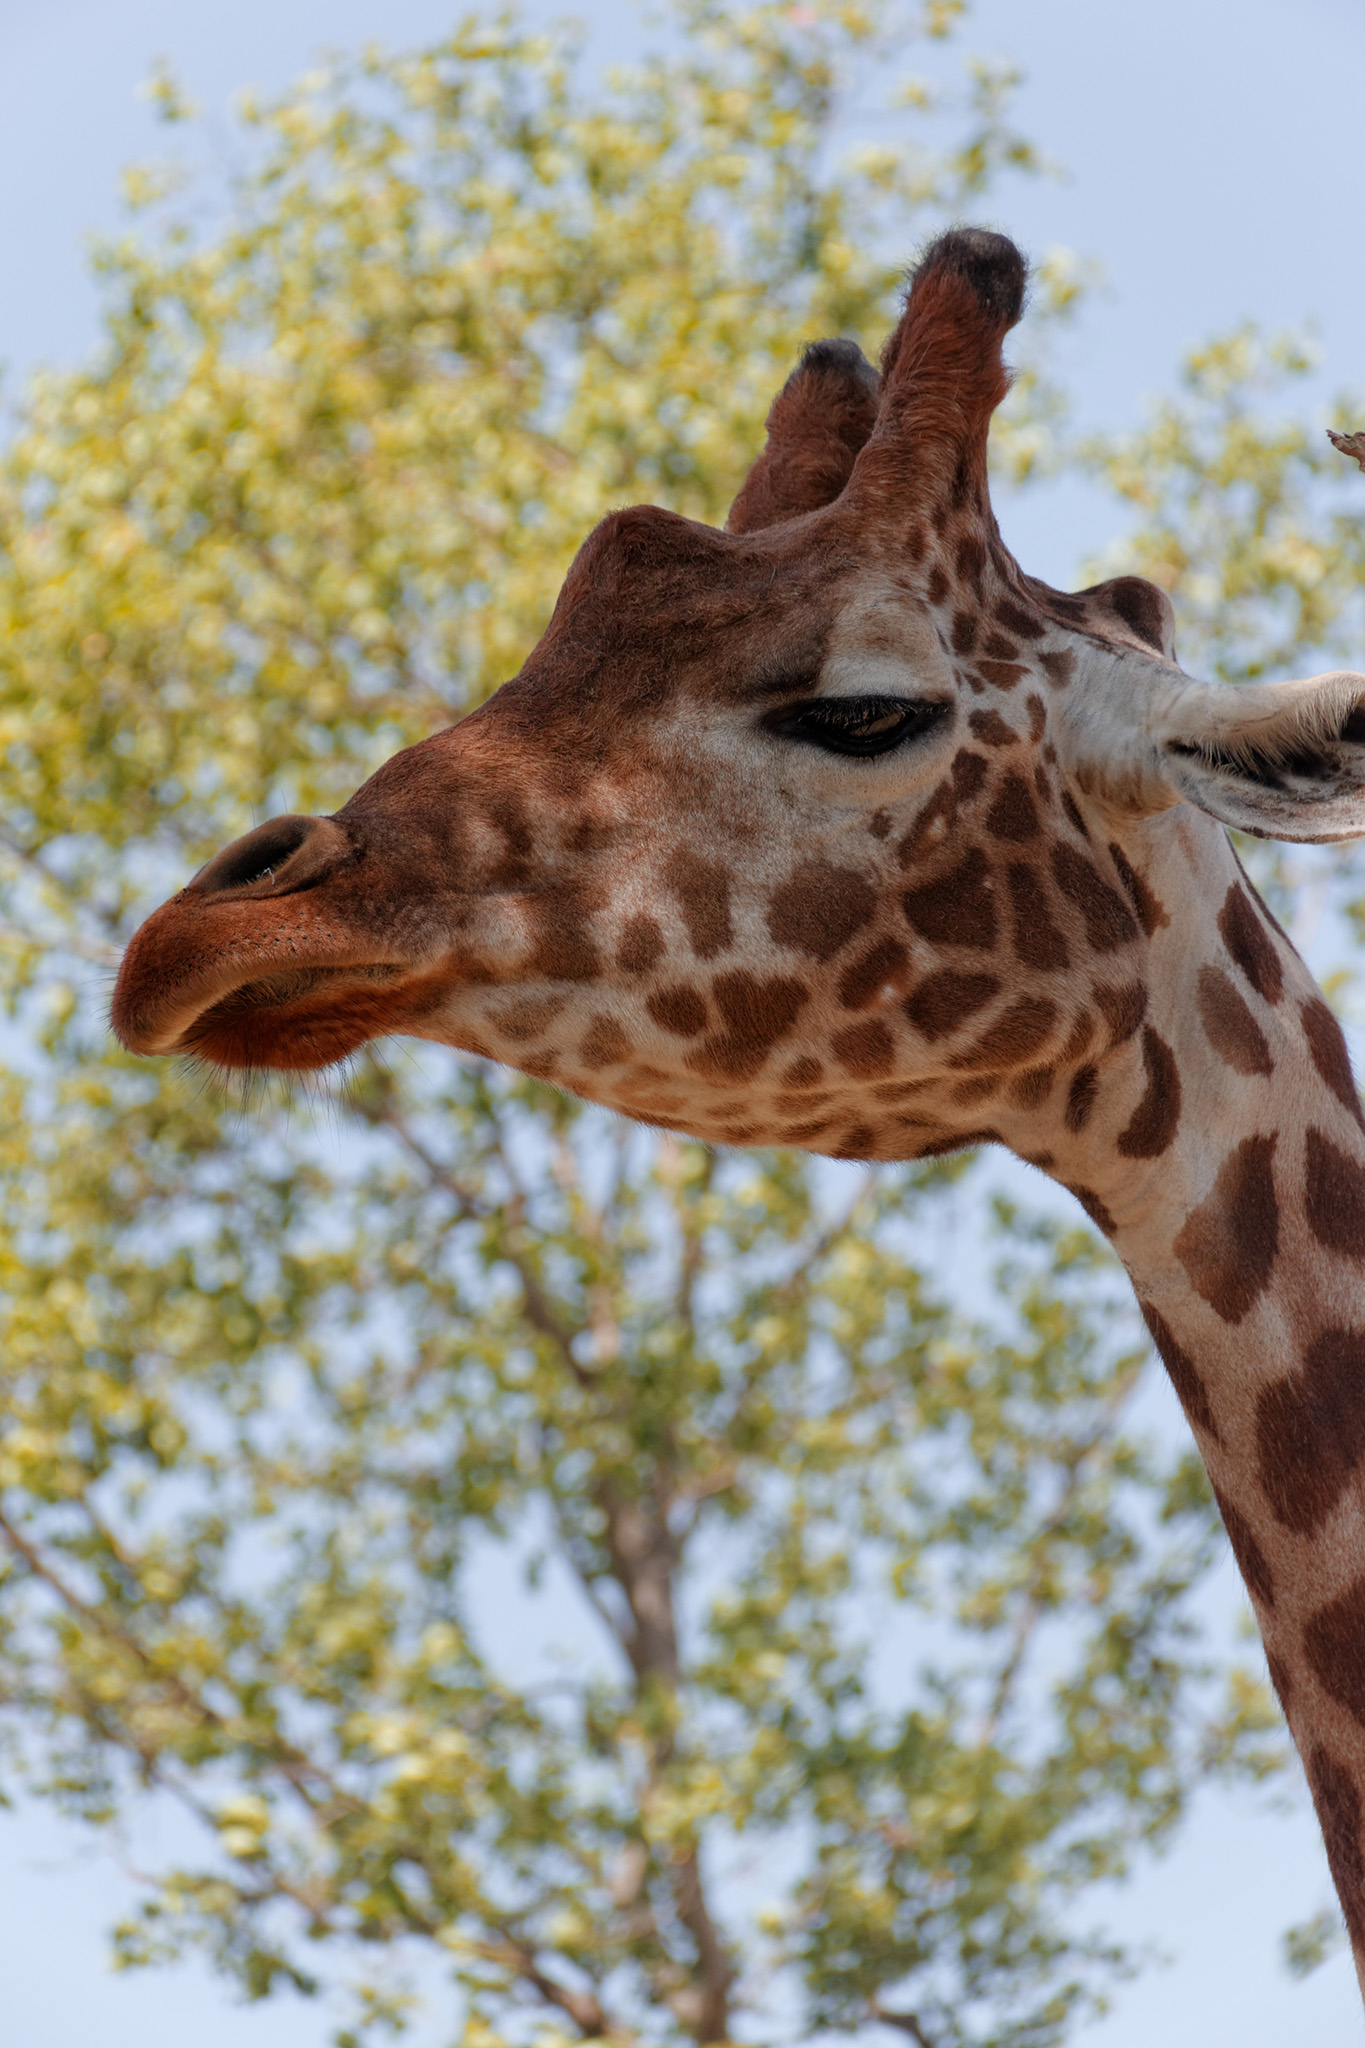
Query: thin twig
(908, 2022)
(1032, 1611)
(291, 1763)
(535, 1304)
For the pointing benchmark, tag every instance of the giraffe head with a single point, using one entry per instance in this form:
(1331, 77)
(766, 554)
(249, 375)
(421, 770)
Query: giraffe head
(819, 830)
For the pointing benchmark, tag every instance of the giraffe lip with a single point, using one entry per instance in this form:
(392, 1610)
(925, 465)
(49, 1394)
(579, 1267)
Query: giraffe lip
(225, 979)
(300, 1019)
(281, 1019)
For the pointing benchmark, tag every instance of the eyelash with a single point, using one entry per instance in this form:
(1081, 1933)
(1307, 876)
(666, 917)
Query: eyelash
(860, 726)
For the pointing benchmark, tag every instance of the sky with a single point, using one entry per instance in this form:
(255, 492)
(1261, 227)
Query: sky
(1211, 165)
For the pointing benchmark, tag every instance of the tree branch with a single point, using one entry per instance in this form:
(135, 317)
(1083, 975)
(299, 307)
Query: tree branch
(535, 1304)
(1032, 1611)
(908, 2022)
(582, 2007)
(292, 1764)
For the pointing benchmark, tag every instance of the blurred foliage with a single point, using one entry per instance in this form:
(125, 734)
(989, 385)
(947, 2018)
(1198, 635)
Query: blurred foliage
(877, 1632)
(1251, 521)
(625, 1581)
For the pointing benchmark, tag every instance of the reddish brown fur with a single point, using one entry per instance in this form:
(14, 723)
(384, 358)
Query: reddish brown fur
(819, 421)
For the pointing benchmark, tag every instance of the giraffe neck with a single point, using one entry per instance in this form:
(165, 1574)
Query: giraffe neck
(1227, 1162)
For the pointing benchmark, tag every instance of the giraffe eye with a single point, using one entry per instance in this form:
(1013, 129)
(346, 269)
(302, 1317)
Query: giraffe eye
(856, 725)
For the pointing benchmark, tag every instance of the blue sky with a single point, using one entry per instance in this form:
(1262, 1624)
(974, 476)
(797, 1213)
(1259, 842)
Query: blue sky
(1212, 166)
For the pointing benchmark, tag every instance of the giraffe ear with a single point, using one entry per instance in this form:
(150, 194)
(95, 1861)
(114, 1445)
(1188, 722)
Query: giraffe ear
(1141, 611)
(818, 422)
(1282, 760)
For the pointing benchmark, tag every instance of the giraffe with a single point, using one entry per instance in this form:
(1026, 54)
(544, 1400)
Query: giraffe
(834, 829)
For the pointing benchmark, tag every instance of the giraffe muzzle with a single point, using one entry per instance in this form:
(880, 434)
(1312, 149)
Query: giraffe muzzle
(255, 934)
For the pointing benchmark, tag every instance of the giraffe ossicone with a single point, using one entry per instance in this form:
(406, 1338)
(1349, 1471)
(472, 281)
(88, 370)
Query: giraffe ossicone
(835, 829)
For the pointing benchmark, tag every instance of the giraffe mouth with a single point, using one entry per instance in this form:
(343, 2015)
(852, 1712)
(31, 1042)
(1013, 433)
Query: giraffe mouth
(300, 1020)
(258, 963)
(229, 998)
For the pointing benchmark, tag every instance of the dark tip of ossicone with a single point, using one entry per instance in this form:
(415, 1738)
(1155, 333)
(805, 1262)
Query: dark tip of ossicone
(989, 263)
(842, 356)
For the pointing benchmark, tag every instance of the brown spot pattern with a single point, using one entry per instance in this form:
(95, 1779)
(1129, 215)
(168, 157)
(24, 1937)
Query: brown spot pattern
(882, 963)
(1330, 1056)
(1072, 809)
(1016, 620)
(604, 1044)
(1154, 1121)
(990, 728)
(1338, 1805)
(1003, 674)
(1335, 1642)
(1152, 914)
(1310, 1431)
(959, 908)
(957, 1141)
(866, 1050)
(1094, 1206)
(1184, 1374)
(1079, 1037)
(1017, 1034)
(1080, 1097)
(1250, 944)
(1108, 920)
(756, 1014)
(1229, 1243)
(804, 1072)
(802, 1134)
(1013, 815)
(1032, 1088)
(679, 1009)
(970, 559)
(1251, 1559)
(641, 946)
(1334, 1196)
(702, 888)
(944, 1000)
(526, 1017)
(1057, 667)
(1037, 938)
(1123, 1009)
(1279, 1677)
(564, 948)
(819, 908)
(938, 818)
(931, 826)
(1229, 1026)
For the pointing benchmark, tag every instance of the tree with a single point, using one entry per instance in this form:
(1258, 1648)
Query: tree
(883, 1605)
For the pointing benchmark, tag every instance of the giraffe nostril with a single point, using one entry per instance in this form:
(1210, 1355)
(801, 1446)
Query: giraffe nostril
(285, 853)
